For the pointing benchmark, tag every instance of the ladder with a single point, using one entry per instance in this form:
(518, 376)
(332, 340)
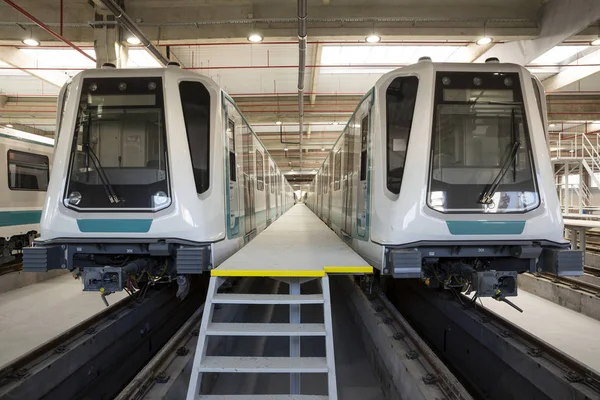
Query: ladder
(295, 365)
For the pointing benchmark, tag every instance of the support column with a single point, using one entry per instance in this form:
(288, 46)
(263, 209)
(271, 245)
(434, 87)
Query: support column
(567, 190)
(108, 41)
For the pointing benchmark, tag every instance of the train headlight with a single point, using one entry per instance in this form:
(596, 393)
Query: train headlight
(74, 198)
(160, 199)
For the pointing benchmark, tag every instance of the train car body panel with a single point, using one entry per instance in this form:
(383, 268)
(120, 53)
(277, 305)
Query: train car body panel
(442, 163)
(157, 171)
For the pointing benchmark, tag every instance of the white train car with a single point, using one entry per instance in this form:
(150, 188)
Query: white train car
(443, 173)
(24, 174)
(156, 175)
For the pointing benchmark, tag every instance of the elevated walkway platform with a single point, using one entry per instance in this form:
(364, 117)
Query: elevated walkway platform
(299, 245)
(296, 248)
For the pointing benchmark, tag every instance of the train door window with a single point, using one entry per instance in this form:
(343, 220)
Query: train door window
(260, 173)
(400, 106)
(27, 171)
(326, 179)
(364, 129)
(195, 101)
(231, 138)
(337, 170)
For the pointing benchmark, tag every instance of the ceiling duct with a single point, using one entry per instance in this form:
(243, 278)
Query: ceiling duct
(302, 13)
(131, 26)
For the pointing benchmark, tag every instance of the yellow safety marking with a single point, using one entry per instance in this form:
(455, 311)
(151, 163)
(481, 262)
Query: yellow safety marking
(269, 273)
(349, 269)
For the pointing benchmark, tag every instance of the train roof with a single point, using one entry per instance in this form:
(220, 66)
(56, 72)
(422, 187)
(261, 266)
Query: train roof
(25, 136)
(425, 67)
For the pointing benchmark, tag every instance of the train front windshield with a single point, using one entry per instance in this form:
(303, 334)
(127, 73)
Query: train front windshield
(119, 155)
(481, 158)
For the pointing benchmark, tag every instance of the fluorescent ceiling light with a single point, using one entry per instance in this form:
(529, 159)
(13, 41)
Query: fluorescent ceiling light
(278, 123)
(552, 125)
(255, 38)
(558, 54)
(285, 149)
(335, 123)
(9, 125)
(31, 42)
(372, 39)
(133, 40)
(383, 54)
(595, 42)
(484, 40)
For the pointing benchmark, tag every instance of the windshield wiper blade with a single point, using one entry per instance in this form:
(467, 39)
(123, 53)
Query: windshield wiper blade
(108, 188)
(486, 197)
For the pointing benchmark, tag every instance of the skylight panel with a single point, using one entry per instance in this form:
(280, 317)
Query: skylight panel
(558, 55)
(349, 59)
(140, 58)
(60, 58)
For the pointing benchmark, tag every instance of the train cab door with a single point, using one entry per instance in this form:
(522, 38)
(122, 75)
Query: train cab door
(268, 191)
(330, 187)
(362, 193)
(277, 201)
(234, 195)
(249, 184)
(348, 180)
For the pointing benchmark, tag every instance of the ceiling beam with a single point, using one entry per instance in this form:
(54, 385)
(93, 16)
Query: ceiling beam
(577, 71)
(560, 20)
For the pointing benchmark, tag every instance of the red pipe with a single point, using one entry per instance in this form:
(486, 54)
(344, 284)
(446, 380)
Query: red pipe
(47, 29)
(61, 17)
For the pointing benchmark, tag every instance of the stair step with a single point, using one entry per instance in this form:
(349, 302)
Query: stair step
(237, 298)
(254, 329)
(261, 397)
(300, 365)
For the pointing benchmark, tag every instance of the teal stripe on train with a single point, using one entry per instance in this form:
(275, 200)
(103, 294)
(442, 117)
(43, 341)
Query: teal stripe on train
(486, 227)
(12, 218)
(114, 225)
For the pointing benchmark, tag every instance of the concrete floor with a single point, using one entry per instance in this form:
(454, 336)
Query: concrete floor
(34, 314)
(355, 378)
(567, 330)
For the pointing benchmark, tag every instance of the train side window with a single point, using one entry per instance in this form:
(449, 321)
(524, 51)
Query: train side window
(260, 173)
(337, 170)
(272, 180)
(401, 96)
(195, 101)
(27, 171)
(63, 97)
(538, 97)
(364, 130)
(231, 138)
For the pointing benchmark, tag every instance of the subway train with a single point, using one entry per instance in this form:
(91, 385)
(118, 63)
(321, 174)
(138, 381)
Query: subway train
(443, 174)
(156, 175)
(24, 174)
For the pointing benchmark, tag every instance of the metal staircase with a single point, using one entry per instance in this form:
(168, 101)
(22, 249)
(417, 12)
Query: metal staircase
(572, 154)
(295, 365)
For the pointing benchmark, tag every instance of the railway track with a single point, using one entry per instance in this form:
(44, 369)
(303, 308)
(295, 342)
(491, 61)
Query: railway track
(405, 364)
(13, 266)
(493, 358)
(98, 357)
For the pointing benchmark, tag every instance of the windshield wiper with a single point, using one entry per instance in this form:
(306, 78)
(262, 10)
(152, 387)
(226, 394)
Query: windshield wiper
(486, 197)
(108, 188)
(510, 156)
